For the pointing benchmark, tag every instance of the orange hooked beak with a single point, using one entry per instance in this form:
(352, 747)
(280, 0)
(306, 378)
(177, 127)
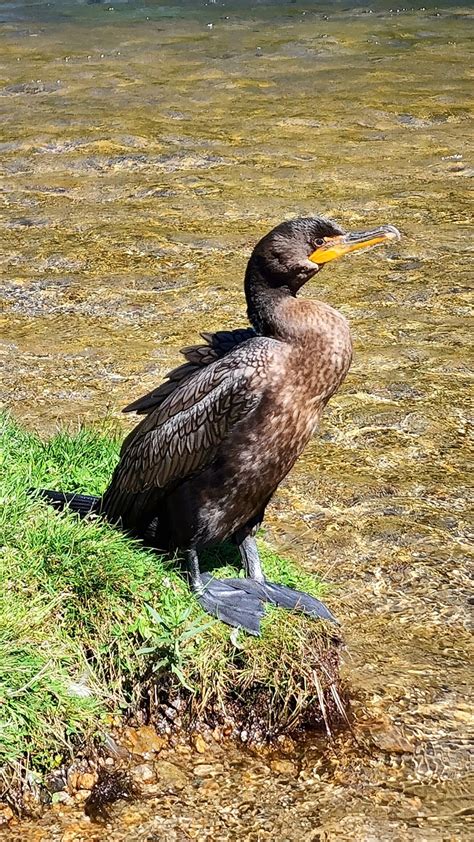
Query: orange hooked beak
(334, 247)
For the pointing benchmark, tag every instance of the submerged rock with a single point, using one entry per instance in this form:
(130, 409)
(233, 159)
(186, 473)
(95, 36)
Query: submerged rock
(391, 739)
(144, 773)
(283, 767)
(170, 775)
(208, 770)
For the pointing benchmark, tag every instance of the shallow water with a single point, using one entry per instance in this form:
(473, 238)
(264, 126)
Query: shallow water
(143, 152)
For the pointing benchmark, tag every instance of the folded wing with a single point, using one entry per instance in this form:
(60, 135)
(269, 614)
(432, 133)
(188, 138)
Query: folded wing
(183, 433)
(198, 357)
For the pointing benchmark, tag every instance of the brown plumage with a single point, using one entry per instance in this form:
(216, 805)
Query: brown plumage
(220, 434)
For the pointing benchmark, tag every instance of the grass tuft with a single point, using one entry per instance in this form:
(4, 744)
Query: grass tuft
(87, 613)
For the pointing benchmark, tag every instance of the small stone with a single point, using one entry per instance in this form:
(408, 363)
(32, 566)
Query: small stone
(283, 767)
(143, 774)
(81, 795)
(392, 740)
(143, 740)
(6, 814)
(72, 777)
(199, 744)
(170, 775)
(86, 780)
(55, 782)
(205, 770)
(62, 798)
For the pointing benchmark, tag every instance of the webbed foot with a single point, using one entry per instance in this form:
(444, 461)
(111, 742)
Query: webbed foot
(235, 605)
(296, 601)
(280, 595)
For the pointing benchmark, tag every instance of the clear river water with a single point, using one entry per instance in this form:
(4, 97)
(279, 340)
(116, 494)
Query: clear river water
(145, 147)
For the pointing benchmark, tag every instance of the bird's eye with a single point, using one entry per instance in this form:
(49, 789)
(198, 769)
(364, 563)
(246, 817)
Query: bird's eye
(319, 242)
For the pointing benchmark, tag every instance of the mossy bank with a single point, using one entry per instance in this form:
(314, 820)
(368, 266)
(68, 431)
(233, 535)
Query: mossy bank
(96, 630)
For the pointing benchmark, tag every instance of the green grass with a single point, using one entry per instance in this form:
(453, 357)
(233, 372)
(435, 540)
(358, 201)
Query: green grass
(86, 613)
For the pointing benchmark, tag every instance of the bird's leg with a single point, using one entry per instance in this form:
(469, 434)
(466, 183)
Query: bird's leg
(223, 598)
(194, 574)
(278, 594)
(250, 559)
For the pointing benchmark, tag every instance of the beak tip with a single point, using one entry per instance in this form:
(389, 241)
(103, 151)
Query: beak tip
(392, 232)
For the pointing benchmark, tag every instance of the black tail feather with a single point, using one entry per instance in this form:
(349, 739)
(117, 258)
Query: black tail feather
(83, 504)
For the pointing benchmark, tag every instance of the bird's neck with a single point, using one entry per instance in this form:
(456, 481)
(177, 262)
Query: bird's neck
(275, 311)
(263, 302)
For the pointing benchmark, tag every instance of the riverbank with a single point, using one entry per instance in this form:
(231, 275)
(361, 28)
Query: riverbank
(97, 632)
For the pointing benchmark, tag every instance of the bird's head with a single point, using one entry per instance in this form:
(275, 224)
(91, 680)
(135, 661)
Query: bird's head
(294, 251)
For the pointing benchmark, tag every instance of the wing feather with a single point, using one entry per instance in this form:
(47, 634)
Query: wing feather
(185, 439)
(198, 356)
(183, 434)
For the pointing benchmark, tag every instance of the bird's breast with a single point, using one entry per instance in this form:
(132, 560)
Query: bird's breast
(262, 449)
(320, 360)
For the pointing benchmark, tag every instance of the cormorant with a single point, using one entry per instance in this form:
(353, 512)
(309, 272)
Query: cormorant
(226, 427)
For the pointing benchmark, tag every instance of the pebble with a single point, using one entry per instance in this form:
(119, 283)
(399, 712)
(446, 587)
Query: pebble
(283, 767)
(86, 780)
(170, 775)
(81, 795)
(199, 744)
(204, 770)
(143, 774)
(144, 740)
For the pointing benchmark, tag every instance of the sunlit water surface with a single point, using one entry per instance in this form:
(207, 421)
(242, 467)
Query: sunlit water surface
(143, 152)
